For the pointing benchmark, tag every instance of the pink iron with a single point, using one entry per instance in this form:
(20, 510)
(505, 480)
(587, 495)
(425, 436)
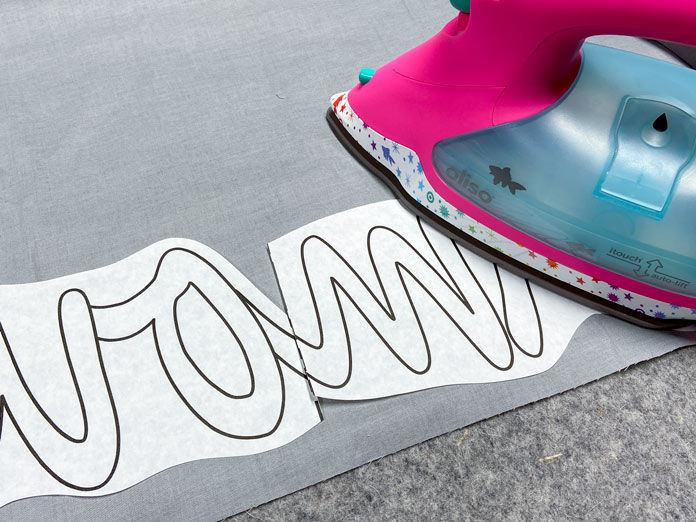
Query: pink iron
(568, 162)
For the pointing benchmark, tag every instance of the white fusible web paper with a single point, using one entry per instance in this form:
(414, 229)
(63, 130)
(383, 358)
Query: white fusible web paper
(168, 356)
(383, 304)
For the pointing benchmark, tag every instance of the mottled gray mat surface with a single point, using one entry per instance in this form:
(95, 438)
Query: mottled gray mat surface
(621, 448)
(125, 122)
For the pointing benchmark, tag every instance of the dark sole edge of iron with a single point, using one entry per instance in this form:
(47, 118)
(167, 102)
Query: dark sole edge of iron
(488, 253)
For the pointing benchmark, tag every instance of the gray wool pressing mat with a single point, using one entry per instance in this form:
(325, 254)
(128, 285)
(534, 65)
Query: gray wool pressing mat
(127, 123)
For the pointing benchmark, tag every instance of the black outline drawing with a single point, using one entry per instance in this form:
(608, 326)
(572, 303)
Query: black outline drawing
(257, 315)
(388, 310)
(5, 407)
(152, 326)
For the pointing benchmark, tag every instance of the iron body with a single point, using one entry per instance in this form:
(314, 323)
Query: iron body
(580, 176)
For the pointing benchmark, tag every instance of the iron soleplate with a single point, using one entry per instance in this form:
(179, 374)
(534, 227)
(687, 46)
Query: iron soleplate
(489, 253)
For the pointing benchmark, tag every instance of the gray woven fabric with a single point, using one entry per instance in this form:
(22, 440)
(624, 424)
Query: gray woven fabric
(130, 121)
(353, 433)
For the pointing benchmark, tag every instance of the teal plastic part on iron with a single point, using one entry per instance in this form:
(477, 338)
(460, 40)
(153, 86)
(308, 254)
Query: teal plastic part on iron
(463, 5)
(647, 161)
(606, 174)
(365, 75)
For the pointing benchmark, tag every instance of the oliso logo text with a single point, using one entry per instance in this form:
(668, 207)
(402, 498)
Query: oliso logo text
(462, 182)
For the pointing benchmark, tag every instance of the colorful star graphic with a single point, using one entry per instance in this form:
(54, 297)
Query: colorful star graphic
(337, 101)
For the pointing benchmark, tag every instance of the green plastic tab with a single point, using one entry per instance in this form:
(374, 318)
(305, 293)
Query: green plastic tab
(366, 75)
(463, 5)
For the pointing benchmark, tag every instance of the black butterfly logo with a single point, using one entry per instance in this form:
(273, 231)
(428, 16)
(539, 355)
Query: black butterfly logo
(504, 177)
